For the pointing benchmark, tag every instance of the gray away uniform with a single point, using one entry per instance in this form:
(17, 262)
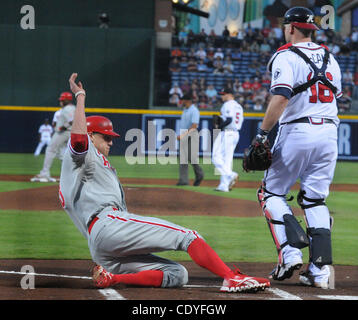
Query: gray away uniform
(59, 139)
(119, 241)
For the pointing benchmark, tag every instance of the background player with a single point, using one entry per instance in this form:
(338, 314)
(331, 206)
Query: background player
(305, 147)
(45, 133)
(119, 241)
(225, 143)
(189, 142)
(59, 139)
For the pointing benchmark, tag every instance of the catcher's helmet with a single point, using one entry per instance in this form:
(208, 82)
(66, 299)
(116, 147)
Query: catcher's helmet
(65, 96)
(300, 17)
(100, 124)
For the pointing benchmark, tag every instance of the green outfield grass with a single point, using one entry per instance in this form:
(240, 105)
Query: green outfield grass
(346, 172)
(52, 235)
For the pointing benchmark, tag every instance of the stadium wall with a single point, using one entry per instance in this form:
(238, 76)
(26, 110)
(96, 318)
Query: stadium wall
(81, 13)
(20, 124)
(114, 64)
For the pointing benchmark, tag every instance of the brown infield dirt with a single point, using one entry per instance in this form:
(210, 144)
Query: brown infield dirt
(55, 277)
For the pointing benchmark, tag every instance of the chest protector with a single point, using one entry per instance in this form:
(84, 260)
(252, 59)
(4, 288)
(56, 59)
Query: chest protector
(319, 74)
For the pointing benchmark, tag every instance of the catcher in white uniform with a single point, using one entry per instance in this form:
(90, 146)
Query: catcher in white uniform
(306, 81)
(45, 133)
(230, 122)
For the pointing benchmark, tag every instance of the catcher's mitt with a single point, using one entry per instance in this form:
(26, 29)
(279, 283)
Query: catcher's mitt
(217, 121)
(258, 156)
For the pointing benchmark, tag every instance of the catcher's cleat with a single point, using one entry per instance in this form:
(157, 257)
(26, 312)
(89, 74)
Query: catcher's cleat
(324, 282)
(244, 283)
(233, 180)
(285, 271)
(101, 278)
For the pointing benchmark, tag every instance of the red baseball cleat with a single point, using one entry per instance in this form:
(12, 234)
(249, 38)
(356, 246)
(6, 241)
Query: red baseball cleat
(244, 283)
(101, 278)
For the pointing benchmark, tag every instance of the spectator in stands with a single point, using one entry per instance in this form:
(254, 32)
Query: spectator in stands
(347, 78)
(202, 67)
(210, 52)
(202, 84)
(174, 65)
(265, 46)
(176, 52)
(192, 53)
(226, 33)
(321, 37)
(200, 54)
(211, 93)
(247, 86)
(175, 94)
(249, 36)
(184, 57)
(228, 65)
(228, 84)
(266, 80)
(219, 54)
(183, 37)
(256, 85)
(192, 65)
(185, 87)
(219, 68)
(258, 106)
(202, 36)
(272, 39)
(212, 36)
(236, 55)
(194, 85)
(334, 48)
(344, 102)
(241, 36)
(210, 64)
(278, 34)
(255, 47)
(237, 88)
(262, 95)
(354, 39)
(265, 32)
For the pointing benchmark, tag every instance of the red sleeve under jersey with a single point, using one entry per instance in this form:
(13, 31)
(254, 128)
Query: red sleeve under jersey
(79, 142)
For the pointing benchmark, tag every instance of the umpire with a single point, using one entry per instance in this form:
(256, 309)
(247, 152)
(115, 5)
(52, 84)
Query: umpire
(189, 142)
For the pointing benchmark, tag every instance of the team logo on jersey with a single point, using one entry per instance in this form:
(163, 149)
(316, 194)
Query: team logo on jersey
(277, 74)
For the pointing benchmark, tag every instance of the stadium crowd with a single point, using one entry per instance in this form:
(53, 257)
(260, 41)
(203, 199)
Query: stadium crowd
(205, 63)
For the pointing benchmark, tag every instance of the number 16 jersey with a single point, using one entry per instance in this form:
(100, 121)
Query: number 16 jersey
(289, 71)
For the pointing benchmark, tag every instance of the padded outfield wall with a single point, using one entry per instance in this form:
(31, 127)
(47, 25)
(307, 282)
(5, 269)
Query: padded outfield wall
(20, 125)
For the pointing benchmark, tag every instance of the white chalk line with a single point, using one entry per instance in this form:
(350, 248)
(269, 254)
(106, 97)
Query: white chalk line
(337, 297)
(284, 294)
(111, 294)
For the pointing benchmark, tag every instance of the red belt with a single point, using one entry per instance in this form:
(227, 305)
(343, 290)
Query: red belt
(94, 220)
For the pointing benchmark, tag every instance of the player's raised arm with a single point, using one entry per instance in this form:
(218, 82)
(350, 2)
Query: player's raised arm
(79, 122)
(79, 141)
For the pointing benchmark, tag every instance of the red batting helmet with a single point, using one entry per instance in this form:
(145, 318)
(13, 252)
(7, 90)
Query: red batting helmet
(65, 96)
(100, 124)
